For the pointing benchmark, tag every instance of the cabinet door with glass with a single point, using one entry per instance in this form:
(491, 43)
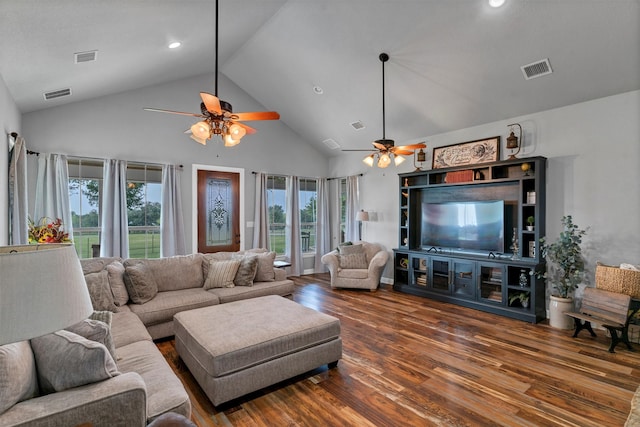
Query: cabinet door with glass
(462, 279)
(491, 284)
(440, 275)
(419, 271)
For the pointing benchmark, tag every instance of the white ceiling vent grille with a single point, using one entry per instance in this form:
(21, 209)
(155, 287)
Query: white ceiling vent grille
(536, 69)
(57, 94)
(331, 144)
(357, 125)
(89, 56)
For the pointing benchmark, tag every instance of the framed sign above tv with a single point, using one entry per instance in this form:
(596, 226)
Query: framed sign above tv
(467, 153)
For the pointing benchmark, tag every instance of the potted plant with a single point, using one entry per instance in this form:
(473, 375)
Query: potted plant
(523, 297)
(530, 221)
(565, 269)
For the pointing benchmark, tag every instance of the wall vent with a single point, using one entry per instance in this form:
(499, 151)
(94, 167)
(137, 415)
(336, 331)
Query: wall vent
(88, 56)
(536, 69)
(57, 94)
(357, 125)
(331, 144)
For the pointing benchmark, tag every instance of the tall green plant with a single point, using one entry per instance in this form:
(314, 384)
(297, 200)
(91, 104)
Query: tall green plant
(565, 263)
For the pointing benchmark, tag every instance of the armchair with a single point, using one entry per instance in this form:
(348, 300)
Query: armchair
(358, 278)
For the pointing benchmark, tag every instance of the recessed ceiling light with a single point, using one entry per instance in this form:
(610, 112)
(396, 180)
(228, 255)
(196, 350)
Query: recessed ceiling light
(318, 90)
(174, 45)
(496, 3)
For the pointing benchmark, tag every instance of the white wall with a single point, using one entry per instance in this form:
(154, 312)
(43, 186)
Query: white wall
(117, 127)
(593, 172)
(10, 122)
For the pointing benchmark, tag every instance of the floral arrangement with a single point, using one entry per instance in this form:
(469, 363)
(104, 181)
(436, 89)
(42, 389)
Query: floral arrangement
(47, 231)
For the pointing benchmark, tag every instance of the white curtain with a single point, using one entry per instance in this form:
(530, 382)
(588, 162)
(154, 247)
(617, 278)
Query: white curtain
(114, 239)
(171, 218)
(52, 190)
(352, 208)
(261, 215)
(292, 234)
(18, 209)
(323, 229)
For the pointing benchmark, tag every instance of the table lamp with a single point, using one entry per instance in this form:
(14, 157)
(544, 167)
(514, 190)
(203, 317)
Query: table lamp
(42, 290)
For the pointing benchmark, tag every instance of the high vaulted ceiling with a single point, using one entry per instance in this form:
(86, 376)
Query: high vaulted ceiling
(453, 63)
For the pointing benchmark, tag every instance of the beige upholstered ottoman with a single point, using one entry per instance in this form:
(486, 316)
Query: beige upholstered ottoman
(236, 348)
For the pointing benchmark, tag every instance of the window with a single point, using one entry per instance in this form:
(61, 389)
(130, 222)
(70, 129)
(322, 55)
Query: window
(308, 213)
(144, 184)
(342, 202)
(276, 203)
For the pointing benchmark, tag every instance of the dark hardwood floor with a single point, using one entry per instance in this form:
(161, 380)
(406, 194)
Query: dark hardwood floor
(411, 361)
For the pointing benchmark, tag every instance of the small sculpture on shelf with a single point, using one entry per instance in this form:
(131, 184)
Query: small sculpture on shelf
(530, 222)
(515, 245)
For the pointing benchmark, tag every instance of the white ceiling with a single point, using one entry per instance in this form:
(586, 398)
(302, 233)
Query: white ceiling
(454, 63)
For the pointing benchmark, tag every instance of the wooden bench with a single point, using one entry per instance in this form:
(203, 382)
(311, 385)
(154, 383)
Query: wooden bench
(609, 309)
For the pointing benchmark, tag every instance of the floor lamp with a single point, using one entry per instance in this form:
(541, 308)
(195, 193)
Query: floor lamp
(361, 217)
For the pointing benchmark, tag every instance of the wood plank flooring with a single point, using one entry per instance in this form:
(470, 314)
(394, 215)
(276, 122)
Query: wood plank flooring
(411, 361)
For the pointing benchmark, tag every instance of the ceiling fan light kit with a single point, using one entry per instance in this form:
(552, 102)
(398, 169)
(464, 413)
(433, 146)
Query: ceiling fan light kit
(218, 116)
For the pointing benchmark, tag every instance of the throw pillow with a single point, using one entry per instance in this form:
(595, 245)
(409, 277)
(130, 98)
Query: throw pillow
(115, 272)
(343, 244)
(65, 360)
(265, 271)
(95, 330)
(100, 291)
(353, 261)
(140, 283)
(106, 317)
(18, 376)
(246, 271)
(221, 274)
(351, 249)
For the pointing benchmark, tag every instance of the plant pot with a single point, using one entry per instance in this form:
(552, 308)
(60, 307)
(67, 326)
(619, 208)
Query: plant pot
(557, 307)
(529, 227)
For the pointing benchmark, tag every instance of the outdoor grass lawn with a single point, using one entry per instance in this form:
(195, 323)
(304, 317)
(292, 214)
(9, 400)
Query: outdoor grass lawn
(137, 244)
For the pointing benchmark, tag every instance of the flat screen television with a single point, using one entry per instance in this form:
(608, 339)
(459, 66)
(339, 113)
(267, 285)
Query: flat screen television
(469, 225)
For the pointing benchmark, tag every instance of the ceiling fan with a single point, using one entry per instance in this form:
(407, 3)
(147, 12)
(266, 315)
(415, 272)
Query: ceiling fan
(385, 148)
(218, 116)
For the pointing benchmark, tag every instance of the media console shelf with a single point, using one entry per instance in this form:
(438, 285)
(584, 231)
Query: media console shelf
(492, 281)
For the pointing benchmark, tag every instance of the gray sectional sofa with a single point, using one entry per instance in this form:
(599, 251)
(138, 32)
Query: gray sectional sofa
(144, 295)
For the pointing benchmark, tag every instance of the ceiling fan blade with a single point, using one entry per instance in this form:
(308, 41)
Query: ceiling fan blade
(158, 110)
(211, 102)
(259, 115)
(379, 146)
(249, 129)
(402, 152)
(412, 146)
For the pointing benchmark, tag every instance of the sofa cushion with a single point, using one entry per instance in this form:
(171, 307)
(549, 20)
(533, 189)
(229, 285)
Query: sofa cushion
(141, 285)
(95, 330)
(115, 272)
(358, 260)
(94, 265)
(259, 289)
(18, 375)
(173, 273)
(126, 328)
(221, 274)
(247, 270)
(100, 291)
(165, 392)
(65, 360)
(265, 267)
(162, 308)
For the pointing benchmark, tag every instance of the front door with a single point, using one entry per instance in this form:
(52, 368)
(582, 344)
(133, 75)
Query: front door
(218, 211)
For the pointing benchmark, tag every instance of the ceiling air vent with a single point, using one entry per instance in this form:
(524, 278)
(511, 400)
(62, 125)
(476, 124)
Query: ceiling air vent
(331, 143)
(536, 69)
(357, 125)
(57, 94)
(88, 56)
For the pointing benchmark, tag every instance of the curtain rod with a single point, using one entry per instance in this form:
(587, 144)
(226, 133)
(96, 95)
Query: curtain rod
(328, 179)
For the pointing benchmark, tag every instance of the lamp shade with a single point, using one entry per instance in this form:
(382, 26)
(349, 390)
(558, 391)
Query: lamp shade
(42, 290)
(362, 216)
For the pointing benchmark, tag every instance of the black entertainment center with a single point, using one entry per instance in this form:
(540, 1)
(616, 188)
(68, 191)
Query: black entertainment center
(457, 229)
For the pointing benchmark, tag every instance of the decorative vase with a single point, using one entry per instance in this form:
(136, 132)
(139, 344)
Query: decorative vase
(557, 307)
